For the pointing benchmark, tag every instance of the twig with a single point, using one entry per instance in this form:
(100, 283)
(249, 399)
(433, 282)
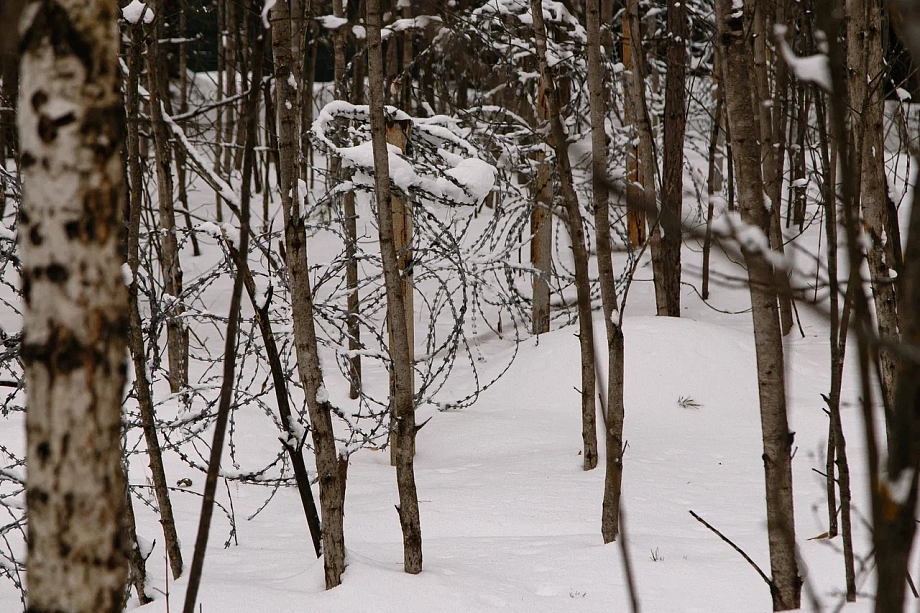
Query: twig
(627, 564)
(736, 548)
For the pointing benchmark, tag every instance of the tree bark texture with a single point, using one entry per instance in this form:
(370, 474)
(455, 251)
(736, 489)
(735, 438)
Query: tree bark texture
(647, 162)
(675, 120)
(864, 62)
(610, 512)
(769, 111)
(895, 525)
(777, 440)
(135, 329)
(577, 236)
(329, 466)
(541, 225)
(75, 316)
(401, 375)
(176, 332)
(350, 220)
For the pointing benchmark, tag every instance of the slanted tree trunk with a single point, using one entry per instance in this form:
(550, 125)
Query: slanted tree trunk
(610, 512)
(777, 440)
(864, 59)
(402, 374)
(135, 328)
(176, 331)
(75, 306)
(577, 236)
(675, 120)
(329, 466)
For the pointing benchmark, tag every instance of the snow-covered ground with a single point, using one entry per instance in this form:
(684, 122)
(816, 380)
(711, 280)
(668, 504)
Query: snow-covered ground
(509, 518)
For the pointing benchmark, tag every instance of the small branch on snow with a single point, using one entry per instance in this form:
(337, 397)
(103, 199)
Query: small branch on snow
(736, 548)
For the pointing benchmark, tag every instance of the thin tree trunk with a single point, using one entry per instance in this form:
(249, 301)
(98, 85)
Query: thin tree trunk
(219, 123)
(135, 326)
(675, 120)
(777, 440)
(577, 235)
(865, 52)
(714, 178)
(541, 226)
(231, 54)
(183, 107)
(402, 374)
(75, 306)
(837, 453)
(138, 562)
(230, 356)
(291, 444)
(647, 158)
(329, 466)
(350, 224)
(713, 190)
(610, 511)
(635, 216)
(176, 332)
(771, 150)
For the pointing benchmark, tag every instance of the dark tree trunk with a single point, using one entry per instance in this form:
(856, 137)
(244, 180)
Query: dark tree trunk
(777, 440)
(402, 373)
(577, 235)
(675, 119)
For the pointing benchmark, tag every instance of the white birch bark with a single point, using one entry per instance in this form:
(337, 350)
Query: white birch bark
(75, 317)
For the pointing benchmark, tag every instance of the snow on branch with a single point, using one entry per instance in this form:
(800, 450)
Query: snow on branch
(811, 69)
(137, 11)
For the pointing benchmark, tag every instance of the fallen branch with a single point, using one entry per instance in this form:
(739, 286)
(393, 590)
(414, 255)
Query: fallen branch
(736, 548)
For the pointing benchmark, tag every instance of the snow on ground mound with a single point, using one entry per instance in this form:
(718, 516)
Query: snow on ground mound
(511, 522)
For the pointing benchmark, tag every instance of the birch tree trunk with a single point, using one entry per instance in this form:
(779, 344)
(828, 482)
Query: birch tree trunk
(577, 236)
(777, 440)
(610, 512)
(330, 467)
(75, 315)
(402, 374)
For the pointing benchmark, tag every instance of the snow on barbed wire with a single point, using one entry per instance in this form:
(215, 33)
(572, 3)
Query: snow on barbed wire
(438, 174)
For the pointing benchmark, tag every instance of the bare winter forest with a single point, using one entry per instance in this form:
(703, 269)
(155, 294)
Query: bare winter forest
(463, 305)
